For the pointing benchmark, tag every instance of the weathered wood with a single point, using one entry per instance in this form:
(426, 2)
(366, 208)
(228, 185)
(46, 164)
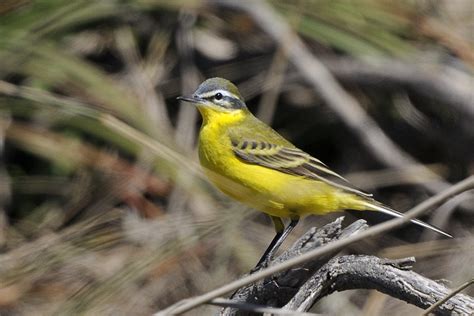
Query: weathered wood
(391, 277)
(299, 288)
(280, 288)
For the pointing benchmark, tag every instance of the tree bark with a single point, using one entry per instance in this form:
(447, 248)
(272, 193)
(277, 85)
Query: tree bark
(299, 288)
(277, 290)
(391, 277)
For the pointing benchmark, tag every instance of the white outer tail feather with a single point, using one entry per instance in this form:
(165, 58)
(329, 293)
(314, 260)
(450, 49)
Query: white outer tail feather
(389, 211)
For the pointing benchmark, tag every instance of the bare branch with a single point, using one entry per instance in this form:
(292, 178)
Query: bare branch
(185, 305)
(448, 297)
(185, 127)
(299, 288)
(388, 276)
(138, 78)
(442, 83)
(278, 289)
(274, 78)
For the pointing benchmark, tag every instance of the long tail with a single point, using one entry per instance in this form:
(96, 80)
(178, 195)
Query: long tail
(384, 209)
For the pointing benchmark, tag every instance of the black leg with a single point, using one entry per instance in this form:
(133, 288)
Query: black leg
(281, 233)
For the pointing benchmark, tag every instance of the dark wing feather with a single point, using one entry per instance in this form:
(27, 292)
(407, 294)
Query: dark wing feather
(290, 160)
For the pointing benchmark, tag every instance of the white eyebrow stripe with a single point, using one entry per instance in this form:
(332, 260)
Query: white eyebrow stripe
(223, 92)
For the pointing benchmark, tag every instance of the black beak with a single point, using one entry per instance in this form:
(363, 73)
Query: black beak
(189, 99)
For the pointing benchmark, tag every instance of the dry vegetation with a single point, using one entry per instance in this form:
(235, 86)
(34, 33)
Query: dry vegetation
(103, 206)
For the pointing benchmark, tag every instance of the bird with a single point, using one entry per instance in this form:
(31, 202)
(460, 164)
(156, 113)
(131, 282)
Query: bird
(249, 161)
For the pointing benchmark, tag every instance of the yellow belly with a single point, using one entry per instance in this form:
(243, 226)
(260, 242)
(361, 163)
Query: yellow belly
(271, 191)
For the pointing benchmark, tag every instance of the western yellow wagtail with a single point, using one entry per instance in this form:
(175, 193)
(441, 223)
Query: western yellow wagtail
(278, 178)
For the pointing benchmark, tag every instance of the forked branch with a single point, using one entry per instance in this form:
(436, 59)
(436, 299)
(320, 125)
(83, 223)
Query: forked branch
(186, 305)
(297, 289)
(392, 277)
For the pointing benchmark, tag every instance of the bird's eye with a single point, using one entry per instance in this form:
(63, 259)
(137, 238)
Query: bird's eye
(218, 96)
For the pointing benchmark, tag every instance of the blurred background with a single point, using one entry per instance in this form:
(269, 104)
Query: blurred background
(103, 206)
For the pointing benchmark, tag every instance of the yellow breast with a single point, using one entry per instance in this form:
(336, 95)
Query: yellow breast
(268, 190)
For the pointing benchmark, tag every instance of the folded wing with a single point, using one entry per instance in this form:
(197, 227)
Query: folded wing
(290, 160)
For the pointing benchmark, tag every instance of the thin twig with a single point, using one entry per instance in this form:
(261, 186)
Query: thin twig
(275, 76)
(5, 182)
(69, 105)
(140, 81)
(444, 300)
(188, 304)
(186, 122)
(446, 211)
(375, 179)
(443, 83)
(185, 131)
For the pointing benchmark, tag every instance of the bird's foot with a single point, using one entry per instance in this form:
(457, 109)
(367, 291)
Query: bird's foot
(261, 265)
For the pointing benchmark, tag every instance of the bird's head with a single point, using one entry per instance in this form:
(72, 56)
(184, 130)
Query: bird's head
(217, 97)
